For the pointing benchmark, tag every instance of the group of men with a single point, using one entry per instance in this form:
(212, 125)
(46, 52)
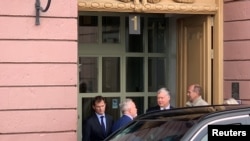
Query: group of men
(99, 125)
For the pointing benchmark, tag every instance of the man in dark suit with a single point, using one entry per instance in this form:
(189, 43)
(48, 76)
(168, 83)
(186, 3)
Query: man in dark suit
(94, 129)
(129, 112)
(163, 101)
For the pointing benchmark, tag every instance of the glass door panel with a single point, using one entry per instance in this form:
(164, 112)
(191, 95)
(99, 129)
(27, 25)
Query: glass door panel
(156, 73)
(134, 74)
(152, 101)
(134, 42)
(88, 74)
(88, 29)
(111, 74)
(156, 35)
(110, 29)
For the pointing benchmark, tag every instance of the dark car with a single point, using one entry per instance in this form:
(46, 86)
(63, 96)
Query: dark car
(185, 124)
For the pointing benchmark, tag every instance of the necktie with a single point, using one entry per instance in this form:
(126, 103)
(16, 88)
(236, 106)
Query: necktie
(103, 126)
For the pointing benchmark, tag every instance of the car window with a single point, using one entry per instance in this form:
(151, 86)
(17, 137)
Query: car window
(204, 138)
(152, 130)
(235, 119)
(179, 124)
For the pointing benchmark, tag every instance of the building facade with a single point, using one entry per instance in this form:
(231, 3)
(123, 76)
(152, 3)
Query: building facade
(236, 50)
(54, 62)
(38, 78)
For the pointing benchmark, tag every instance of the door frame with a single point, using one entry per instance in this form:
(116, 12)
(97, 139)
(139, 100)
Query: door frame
(194, 55)
(214, 8)
(213, 80)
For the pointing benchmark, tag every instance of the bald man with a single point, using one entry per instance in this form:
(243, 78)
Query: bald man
(194, 95)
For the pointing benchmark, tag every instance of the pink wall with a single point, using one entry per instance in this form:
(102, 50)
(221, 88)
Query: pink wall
(237, 47)
(38, 71)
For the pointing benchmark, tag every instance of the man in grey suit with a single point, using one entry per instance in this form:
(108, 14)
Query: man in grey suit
(98, 126)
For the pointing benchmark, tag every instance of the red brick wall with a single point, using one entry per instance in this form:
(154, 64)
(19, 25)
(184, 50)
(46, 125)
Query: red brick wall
(38, 71)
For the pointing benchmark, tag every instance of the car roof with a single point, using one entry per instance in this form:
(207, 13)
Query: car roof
(186, 115)
(203, 111)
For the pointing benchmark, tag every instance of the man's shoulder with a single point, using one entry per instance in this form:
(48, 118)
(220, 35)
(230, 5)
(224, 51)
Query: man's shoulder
(153, 108)
(108, 116)
(90, 120)
(91, 117)
(200, 102)
(203, 102)
(124, 118)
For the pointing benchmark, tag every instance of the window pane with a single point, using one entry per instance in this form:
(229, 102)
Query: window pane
(134, 42)
(134, 74)
(111, 74)
(152, 101)
(88, 29)
(110, 29)
(156, 74)
(88, 74)
(156, 35)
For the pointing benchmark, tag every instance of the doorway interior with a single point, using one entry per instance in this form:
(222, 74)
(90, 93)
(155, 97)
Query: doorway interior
(118, 64)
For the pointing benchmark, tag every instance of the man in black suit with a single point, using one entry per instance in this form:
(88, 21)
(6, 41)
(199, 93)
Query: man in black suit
(163, 101)
(93, 127)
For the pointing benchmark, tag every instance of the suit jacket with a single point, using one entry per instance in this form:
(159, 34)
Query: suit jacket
(156, 108)
(92, 130)
(121, 122)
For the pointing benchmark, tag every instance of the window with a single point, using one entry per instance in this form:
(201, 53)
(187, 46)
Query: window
(88, 74)
(111, 74)
(88, 29)
(110, 29)
(116, 64)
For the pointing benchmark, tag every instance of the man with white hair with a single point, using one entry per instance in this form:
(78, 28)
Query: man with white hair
(129, 112)
(163, 101)
(231, 101)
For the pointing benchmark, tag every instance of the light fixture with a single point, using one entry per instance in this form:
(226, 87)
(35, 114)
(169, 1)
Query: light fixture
(39, 8)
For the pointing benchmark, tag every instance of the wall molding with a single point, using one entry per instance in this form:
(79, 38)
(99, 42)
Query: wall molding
(143, 6)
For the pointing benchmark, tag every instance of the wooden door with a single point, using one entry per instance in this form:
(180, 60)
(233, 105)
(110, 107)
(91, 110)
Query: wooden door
(194, 56)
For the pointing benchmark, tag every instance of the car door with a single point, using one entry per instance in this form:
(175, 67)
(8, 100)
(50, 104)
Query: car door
(199, 132)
